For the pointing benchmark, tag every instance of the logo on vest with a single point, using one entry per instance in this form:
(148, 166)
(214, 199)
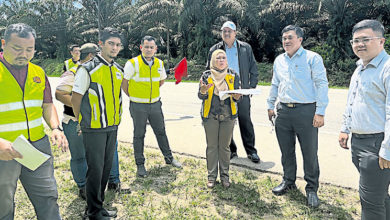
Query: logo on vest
(230, 80)
(37, 79)
(118, 75)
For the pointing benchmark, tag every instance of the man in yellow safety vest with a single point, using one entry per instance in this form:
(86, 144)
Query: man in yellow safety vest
(25, 100)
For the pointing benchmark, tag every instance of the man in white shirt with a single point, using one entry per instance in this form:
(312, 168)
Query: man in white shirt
(143, 76)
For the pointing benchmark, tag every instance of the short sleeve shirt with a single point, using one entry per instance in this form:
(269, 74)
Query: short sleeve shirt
(129, 71)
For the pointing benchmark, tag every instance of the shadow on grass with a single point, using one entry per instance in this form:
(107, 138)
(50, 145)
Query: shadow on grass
(244, 198)
(246, 163)
(159, 179)
(77, 208)
(324, 211)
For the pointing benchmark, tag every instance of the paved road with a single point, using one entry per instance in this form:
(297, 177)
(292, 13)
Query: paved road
(181, 108)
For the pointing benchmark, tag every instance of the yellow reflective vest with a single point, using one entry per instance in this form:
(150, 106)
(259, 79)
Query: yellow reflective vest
(206, 106)
(144, 86)
(69, 64)
(21, 111)
(101, 105)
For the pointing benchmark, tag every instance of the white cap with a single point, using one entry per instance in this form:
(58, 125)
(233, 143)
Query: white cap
(229, 24)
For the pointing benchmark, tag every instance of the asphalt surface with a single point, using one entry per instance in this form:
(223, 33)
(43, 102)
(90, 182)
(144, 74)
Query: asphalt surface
(181, 108)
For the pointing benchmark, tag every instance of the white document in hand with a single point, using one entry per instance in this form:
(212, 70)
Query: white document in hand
(32, 158)
(222, 94)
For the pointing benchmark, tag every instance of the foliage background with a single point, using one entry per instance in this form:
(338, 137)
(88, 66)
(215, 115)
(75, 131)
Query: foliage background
(187, 28)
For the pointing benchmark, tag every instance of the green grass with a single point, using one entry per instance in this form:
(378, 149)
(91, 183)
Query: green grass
(170, 193)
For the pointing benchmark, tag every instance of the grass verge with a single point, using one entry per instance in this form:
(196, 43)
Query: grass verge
(170, 193)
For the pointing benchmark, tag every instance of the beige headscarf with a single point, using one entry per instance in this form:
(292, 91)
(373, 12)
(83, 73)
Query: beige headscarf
(218, 75)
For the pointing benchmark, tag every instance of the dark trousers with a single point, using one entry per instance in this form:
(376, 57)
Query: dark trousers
(141, 113)
(246, 127)
(99, 152)
(40, 185)
(298, 122)
(374, 182)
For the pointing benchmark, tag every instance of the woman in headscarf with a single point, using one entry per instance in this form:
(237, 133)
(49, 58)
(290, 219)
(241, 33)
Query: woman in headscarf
(219, 113)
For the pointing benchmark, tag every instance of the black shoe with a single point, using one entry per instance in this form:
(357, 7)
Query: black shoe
(107, 213)
(312, 199)
(233, 155)
(141, 171)
(283, 188)
(82, 193)
(254, 158)
(116, 187)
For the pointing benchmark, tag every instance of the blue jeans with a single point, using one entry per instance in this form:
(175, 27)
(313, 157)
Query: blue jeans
(78, 163)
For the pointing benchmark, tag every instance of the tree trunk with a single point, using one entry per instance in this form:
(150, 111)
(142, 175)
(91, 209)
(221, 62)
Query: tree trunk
(168, 51)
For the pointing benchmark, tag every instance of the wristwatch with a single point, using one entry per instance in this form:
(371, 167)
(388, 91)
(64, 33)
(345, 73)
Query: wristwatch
(57, 128)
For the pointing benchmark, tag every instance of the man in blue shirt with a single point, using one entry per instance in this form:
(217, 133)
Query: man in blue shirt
(242, 61)
(367, 117)
(299, 83)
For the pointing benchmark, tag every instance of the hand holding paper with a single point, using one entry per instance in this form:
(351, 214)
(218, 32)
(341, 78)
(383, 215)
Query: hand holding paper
(7, 152)
(223, 94)
(32, 158)
(236, 96)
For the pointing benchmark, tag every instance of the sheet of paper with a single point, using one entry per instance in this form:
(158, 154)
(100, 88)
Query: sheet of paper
(223, 94)
(32, 158)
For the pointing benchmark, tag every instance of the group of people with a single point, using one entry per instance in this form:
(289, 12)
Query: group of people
(296, 107)
(90, 90)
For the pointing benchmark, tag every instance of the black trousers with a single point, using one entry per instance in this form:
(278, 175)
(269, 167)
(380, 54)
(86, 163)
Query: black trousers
(374, 182)
(246, 127)
(290, 124)
(141, 113)
(99, 152)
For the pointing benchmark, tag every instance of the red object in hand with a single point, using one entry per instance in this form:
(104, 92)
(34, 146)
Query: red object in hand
(181, 70)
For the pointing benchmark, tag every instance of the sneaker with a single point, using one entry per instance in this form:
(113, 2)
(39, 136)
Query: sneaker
(82, 193)
(109, 213)
(115, 187)
(210, 184)
(254, 158)
(141, 171)
(176, 163)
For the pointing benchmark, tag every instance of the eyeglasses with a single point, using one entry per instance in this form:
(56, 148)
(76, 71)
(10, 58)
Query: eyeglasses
(365, 40)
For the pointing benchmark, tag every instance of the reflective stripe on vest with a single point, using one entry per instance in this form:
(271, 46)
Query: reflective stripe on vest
(229, 79)
(19, 105)
(102, 103)
(144, 86)
(21, 111)
(20, 125)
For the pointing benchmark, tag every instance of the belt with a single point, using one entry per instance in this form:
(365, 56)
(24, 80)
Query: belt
(295, 105)
(375, 135)
(219, 117)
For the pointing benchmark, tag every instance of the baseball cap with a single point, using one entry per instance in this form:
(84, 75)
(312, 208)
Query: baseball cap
(89, 48)
(229, 24)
